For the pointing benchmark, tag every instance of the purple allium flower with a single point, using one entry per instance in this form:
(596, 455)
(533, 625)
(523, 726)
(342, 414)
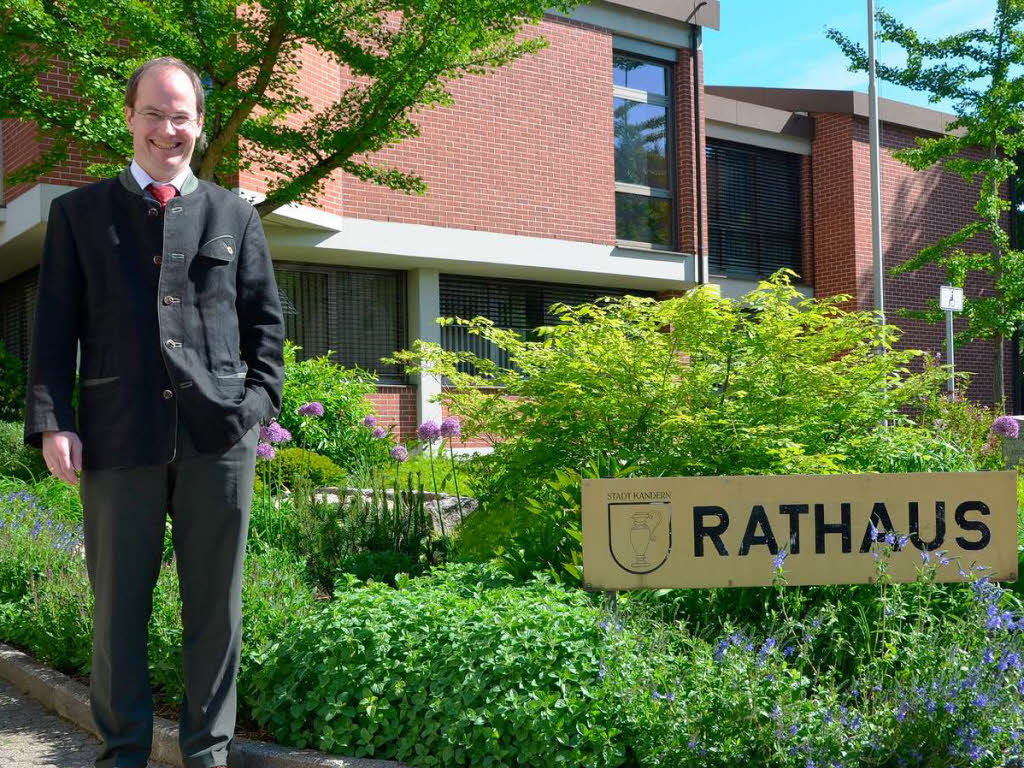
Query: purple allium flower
(450, 427)
(379, 432)
(429, 431)
(370, 420)
(265, 451)
(1006, 426)
(399, 453)
(312, 409)
(275, 433)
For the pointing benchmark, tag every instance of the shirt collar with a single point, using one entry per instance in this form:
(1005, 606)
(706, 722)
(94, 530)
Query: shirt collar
(143, 179)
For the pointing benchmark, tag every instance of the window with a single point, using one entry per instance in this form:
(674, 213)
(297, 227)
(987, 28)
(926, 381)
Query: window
(517, 305)
(358, 313)
(18, 312)
(753, 210)
(643, 136)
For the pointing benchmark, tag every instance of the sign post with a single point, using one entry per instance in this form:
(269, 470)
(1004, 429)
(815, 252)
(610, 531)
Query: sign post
(673, 532)
(951, 299)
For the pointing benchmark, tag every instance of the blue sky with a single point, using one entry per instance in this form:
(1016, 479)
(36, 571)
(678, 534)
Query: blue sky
(783, 45)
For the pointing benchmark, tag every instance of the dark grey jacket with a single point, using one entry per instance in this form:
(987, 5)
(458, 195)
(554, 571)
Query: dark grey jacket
(173, 310)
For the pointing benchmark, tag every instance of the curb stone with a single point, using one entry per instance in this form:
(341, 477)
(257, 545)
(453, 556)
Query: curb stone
(70, 700)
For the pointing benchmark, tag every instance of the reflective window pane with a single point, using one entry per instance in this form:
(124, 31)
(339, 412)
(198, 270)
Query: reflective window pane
(640, 147)
(643, 219)
(642, 75)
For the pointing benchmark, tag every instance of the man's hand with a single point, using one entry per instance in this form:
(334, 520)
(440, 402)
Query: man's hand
(63, 454)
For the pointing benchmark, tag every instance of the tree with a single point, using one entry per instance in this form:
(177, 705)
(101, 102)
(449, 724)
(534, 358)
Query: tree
(975, 69)
(400, 53)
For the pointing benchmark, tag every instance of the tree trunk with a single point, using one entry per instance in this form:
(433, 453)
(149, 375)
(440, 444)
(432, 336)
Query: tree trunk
(999, 385)
(999, 353)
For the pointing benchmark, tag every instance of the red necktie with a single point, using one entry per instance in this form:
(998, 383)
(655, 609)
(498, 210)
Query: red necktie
(162, 192)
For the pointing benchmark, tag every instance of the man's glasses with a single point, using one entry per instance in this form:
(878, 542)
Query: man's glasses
(154, 117)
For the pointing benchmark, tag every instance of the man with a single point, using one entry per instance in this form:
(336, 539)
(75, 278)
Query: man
(166, 284)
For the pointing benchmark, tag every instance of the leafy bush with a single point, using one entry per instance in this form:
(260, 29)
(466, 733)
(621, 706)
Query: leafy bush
(17, 459)
(377, 537)
(966, 425)
(909, 449)
(444, 672)
(339, 434)
(289, 465)
(12, 386)
(466, 667)
(694, 385)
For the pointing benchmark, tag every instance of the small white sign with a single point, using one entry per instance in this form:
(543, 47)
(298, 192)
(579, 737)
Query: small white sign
(951, 298)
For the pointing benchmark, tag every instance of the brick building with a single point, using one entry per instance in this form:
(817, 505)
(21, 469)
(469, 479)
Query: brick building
(602, 164)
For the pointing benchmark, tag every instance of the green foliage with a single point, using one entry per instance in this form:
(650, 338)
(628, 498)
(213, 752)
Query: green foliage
(979, 71)
(695, 385)
(522, 661)
(967, 426)
(400, 56)
(389, 532)
(12, 386)
(17, 459)
(417, 466)
(467, 667)
(290, 465)
(339, 434)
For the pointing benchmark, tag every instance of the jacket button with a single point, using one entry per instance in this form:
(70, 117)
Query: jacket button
(168, 394)
(157, 259)
(169, 299)
(153, 211)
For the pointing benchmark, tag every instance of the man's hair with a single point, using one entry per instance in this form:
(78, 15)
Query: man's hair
(165, 61)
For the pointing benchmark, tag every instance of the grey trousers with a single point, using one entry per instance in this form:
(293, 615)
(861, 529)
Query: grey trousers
(208, 498)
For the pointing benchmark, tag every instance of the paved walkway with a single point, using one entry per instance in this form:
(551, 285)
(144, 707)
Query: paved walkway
(33, 737)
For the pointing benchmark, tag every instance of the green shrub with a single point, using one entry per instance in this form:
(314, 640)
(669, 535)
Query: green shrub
(339, 434)
(291, 464)
(375, 538)
(17, 459)
(444, 672)
(908, 449)
(12, 386)
(466, 667)
(694, 385)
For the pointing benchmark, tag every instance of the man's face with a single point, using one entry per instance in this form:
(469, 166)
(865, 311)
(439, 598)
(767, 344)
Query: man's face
(164, 122)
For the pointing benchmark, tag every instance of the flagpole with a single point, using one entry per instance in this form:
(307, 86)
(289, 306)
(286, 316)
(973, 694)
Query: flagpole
(876, 187)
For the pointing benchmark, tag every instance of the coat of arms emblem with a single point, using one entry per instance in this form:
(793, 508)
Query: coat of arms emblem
(640, 534)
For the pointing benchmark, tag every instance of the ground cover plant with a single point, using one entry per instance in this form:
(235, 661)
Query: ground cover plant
(469, 666)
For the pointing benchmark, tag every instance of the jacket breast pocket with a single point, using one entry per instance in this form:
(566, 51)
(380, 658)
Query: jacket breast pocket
(219, 248)
(211, 271)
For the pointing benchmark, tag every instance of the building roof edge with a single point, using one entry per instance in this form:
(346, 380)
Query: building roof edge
(811, 100)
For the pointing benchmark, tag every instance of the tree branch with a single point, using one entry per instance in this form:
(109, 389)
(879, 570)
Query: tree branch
(215, 150)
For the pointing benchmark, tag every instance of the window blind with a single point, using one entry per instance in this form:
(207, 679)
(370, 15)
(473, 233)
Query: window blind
(358, 313)
(753, 209)
(517, 305)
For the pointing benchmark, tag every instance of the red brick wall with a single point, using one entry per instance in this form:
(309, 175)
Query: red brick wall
(918, 208)
(396, 406)
(526, 149)
(22, 145)
(832, 190)
(687, 152)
